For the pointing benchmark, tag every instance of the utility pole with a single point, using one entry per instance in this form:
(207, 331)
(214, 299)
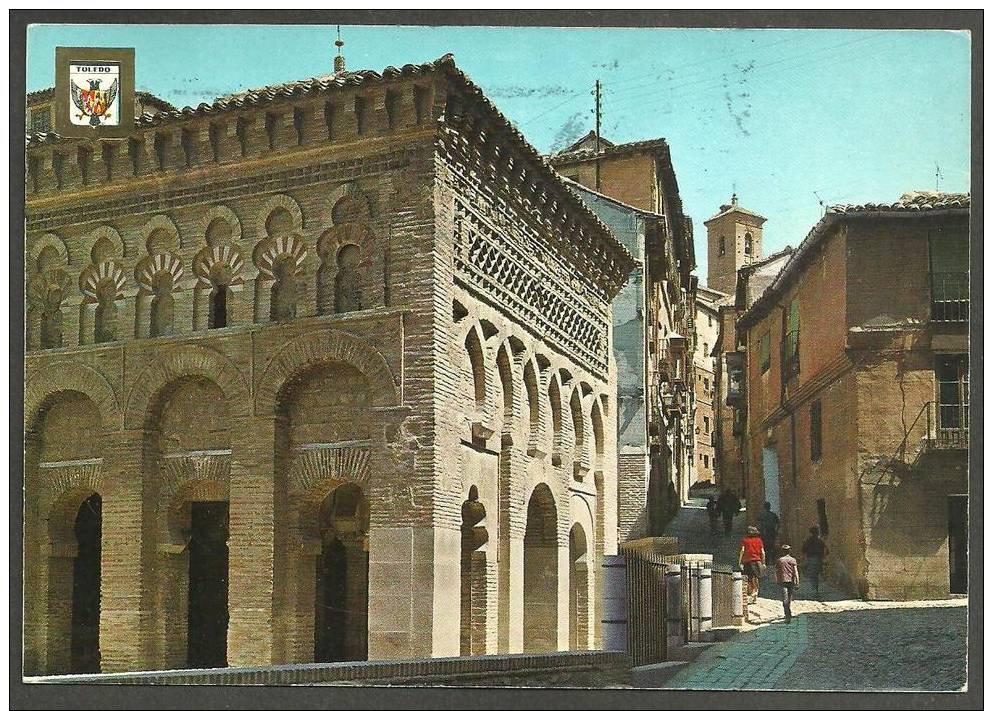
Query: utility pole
(597, 112)
(937, 176)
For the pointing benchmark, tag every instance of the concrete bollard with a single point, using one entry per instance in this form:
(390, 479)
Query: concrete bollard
(614, 625)
(737, 599)
(674, 604)
(705, 602)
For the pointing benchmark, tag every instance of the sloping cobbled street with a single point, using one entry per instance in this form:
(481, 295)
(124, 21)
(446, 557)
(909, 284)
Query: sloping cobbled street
(833, 643)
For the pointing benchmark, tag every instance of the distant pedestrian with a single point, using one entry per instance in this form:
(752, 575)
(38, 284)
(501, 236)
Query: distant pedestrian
(814, 550)
(788, 577)
(751, 559)
(729, 506)
(713, 513)
(769, 530)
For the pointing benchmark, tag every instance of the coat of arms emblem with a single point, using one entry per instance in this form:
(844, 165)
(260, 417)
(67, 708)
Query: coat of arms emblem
(94, 90)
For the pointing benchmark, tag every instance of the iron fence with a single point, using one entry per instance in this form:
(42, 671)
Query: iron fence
(646, 607)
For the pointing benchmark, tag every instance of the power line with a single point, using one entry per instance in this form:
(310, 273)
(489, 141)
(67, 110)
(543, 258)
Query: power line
(657, 73)
(550, 110)
(758, 69)
(722, 82)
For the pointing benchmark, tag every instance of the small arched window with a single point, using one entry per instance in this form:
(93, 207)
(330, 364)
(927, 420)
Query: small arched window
(722, 246)
(218, 312)
(161, 321)
(105, 315)
(283, 304)
(219, 307)
(347, 284)
(748, 243)
(51, 319)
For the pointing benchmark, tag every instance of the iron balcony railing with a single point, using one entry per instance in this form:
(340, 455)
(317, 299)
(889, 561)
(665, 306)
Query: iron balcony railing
(950, 297)
(938, 426)
(948, 425)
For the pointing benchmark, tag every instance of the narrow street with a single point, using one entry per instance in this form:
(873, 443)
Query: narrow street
(833, 643)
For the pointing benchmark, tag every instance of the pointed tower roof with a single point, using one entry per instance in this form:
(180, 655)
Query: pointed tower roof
(734, 207)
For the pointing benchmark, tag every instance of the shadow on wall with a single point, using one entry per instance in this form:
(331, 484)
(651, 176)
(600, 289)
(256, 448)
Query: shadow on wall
(907, 513)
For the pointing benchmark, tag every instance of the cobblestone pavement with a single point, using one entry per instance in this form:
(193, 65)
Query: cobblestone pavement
(920, 648)
(834, 643)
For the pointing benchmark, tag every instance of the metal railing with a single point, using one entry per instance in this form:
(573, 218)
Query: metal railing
(950, 297)
(646, 607)
(950, 425)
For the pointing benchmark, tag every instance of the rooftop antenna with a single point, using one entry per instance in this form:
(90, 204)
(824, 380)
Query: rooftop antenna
(820, 202)
(937, 176)
(339, 60)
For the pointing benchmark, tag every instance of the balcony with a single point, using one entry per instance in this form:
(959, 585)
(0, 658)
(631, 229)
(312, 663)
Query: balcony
(950, 297)
(947, 426)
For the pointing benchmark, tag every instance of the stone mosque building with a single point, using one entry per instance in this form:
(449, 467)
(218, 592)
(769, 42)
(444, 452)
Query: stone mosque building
(320, 371)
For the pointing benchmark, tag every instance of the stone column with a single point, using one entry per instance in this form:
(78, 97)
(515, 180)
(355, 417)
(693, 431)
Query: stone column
(125, 608)
(251, 539)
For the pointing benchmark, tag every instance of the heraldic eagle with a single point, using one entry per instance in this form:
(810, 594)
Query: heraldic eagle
(93, 102)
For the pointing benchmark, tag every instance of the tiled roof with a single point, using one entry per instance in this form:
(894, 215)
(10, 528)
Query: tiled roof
(577, 152)
(734, 207)
(323, 84)
(145, 97)
(270, 94)
(917, 201)
(920, 201)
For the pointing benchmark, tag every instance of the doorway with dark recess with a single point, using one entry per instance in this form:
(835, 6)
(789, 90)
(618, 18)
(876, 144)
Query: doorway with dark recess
(85, 634)
(958, 544)
(207, 618)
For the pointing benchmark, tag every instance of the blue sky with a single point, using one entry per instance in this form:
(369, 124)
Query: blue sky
(777, 115)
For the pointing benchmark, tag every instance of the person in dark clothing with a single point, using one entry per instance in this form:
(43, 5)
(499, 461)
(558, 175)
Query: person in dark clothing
(769, 530)
(713, 513)
(814, 550)
(729, 505)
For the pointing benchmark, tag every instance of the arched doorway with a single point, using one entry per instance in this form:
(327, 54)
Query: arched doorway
(321, 572)
(579, 591)
(473, 577)
(190, 448)
(541, 573)
(341, 594)
(63, 525)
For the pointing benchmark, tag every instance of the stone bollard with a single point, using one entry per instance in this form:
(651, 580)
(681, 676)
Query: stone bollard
(693, 569)
(674, 605)
(614, 625)
(737, 599)
(705, 602)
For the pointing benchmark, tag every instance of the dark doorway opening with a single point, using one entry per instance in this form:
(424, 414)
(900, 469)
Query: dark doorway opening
(207, 619)
(85, 640)
(341, 599)
(958, 544)
(332, 591)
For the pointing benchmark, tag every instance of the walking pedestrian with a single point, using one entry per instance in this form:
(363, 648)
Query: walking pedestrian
(729, 506)
(751, 559)
(713, 513)
(788, 577)
(769, 529)
(814, 552)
